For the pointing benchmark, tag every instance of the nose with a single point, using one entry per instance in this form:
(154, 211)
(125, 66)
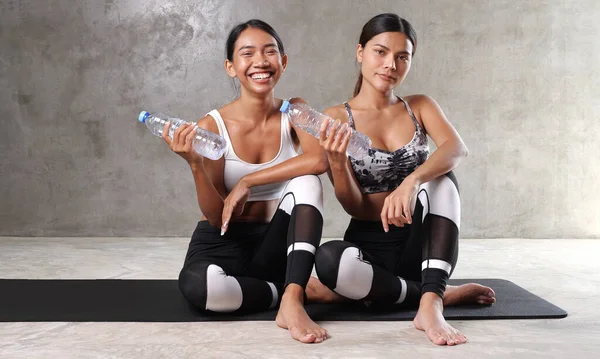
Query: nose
(260, 60)
(391, 64)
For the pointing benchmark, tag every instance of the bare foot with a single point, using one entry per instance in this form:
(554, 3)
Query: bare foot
(317, 292)
(470, 293)
(430, 319)
(293, 317)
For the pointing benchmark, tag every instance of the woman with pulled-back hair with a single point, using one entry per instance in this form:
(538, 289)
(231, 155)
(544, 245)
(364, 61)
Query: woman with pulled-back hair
(262, 202)
(401, 245)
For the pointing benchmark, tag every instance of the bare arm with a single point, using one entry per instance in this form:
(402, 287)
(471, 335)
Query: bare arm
(450, 151)
(311, 161)
(450, 147)
(208, 174)
(347, 189)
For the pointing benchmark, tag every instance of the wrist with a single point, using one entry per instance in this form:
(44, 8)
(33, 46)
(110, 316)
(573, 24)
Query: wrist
(414, 178)
(337, 166)
(246, 181)
(196, 166)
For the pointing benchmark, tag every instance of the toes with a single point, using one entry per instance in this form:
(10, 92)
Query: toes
(302, 335)
(450, 340)
(483, 299)
(307, 338)
(440, 340)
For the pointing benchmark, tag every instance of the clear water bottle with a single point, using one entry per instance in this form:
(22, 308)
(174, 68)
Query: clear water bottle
(310, 120)
(206, 143)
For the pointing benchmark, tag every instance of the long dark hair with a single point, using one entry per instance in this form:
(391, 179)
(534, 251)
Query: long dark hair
(254, 23)
(384, 23)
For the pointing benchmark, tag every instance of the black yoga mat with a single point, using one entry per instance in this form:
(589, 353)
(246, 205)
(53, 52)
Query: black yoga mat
(130, 300)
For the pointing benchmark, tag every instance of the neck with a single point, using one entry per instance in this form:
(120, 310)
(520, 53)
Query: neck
(374, 98)
(257, 107)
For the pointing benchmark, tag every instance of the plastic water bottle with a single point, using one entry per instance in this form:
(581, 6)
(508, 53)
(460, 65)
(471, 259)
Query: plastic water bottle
(206, 143)
(310, 120)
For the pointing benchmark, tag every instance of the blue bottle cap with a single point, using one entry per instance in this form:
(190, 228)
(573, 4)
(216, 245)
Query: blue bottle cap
(284, 106)
(143, 116)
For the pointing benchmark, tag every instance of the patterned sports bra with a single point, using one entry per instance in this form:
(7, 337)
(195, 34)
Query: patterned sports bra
(383, 171)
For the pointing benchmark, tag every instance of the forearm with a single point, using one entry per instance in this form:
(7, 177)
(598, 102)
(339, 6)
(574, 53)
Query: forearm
(443, 160)
(346, 188)
(304, 164)
(210, 200)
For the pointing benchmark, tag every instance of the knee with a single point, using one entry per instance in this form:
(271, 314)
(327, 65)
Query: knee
(208, 287)
(310, 182)
(192, 284)
(308, 190)
(327, 261)
(440, 196)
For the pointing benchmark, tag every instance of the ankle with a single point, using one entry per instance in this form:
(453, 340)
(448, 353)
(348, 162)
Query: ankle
(293, 292)
(430, 299)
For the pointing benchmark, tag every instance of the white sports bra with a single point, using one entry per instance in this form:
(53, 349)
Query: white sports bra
(236, 168)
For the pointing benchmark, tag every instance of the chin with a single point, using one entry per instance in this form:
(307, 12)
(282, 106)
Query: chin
(384, 88)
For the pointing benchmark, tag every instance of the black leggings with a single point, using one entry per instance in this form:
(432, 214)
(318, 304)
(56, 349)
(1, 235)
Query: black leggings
(249, 267)
(399, 266)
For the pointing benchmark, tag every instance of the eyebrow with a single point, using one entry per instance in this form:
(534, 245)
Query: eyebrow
(387, 48)
(254, 47)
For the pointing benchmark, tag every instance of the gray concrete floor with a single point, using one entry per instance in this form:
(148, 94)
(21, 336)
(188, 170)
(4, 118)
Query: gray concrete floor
(564, 272)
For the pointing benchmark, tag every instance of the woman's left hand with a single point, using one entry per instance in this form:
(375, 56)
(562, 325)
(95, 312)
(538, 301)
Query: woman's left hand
(234, 203)
(398, 205)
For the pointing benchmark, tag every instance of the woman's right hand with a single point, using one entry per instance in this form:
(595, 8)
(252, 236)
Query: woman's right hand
(181, 143)
(336, 143)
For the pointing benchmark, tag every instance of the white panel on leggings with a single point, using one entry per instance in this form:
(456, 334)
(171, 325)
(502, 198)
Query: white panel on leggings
(223, 292)
(443, 197)
(301, 246)
(354, 275)
(437, 264)
(403, 292)
(275, 295)
(306, 190)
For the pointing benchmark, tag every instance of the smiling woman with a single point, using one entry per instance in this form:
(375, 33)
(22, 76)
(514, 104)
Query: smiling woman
(262, 202)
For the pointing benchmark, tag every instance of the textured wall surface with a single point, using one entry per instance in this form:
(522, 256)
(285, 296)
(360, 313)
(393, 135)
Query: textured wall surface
(519, 81)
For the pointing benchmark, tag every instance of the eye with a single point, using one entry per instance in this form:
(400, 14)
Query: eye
(379, 52)
(403, 57)
(272, 52)
(246, 54)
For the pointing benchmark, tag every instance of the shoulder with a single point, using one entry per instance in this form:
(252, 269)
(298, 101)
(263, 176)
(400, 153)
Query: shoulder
(297, 100)
(337, 112)
(208, 123)
(420, 102)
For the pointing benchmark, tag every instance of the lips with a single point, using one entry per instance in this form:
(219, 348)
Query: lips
(387, 77)
(261, 77)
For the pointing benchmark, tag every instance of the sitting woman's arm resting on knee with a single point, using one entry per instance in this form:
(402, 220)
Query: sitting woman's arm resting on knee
(450, 147)
(312, 161)
(450, 151)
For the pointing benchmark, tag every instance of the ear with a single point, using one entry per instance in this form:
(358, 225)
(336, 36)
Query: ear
(229, 68)
(359, 53)
(284, 61)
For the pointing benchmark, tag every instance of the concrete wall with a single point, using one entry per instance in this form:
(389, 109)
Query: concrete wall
(519, 80)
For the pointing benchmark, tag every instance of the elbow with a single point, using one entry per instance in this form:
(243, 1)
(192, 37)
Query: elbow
(214, 221)
(320, 165)
(464, 151)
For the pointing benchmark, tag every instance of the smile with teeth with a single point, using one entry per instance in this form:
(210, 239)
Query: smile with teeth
(261, 76)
